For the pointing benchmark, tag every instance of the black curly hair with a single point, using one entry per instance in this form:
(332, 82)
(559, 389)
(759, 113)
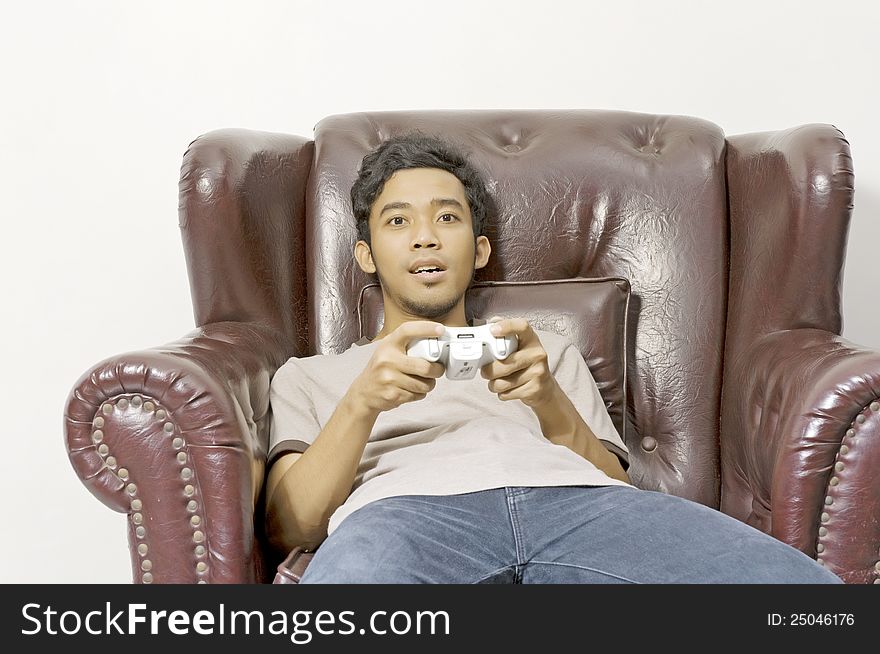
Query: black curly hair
(416, 150)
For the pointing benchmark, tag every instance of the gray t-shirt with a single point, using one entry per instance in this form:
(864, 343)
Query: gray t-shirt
(459, 439)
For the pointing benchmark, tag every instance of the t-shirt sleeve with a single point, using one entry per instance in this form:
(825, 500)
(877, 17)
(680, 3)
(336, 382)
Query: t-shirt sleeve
(574, 377)
(294, 423)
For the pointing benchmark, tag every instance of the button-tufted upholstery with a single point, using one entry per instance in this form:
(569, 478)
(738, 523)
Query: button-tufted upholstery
(742, 395)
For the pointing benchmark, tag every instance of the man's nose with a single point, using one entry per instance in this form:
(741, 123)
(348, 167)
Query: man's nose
(425, 235)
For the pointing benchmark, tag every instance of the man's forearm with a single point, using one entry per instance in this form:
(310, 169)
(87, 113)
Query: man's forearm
(563, 425)
(299, 509)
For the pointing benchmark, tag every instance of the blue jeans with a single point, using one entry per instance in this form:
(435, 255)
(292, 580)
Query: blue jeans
(552, 535)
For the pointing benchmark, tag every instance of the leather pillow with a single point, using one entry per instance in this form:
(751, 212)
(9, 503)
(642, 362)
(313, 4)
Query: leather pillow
(591, 312)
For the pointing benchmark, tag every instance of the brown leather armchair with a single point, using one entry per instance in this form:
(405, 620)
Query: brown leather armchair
(743, 395)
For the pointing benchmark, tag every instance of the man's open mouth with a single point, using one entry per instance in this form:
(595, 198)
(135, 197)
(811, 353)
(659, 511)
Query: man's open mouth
(429, 273)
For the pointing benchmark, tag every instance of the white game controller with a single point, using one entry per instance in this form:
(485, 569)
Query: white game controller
(463, 350)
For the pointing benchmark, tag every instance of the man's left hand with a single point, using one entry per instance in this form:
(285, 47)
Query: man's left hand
(524, 375)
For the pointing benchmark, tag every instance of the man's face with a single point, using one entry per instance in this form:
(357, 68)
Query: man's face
(422, 214)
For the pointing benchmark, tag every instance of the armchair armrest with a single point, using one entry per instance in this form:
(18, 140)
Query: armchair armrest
(800, 445)
(176, 437)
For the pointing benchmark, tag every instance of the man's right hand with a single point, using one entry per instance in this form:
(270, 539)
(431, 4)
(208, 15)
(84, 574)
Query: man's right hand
(391, 377)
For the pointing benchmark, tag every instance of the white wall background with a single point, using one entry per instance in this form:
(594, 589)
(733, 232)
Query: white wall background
(100, 100)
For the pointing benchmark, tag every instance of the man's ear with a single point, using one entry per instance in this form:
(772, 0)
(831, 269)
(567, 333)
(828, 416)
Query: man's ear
(482, 251)
(364, 257)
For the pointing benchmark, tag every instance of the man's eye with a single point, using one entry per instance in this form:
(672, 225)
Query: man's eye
(450, 215)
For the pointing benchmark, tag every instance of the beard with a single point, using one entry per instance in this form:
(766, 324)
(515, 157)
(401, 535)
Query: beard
(426, 309)
(426, 306)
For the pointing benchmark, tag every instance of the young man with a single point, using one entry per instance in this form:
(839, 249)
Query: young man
(518, 475)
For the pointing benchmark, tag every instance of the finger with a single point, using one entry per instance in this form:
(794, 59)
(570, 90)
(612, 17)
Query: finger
(414, 384)
(523, 391)
(513, 362)
(506, 326)
(509, 382)
(420, 367)
(415, 329)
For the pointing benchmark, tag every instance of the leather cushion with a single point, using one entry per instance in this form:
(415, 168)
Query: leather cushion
(590, 311)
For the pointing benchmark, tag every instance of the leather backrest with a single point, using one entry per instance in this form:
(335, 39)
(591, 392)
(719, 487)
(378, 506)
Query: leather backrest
(596, 193)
